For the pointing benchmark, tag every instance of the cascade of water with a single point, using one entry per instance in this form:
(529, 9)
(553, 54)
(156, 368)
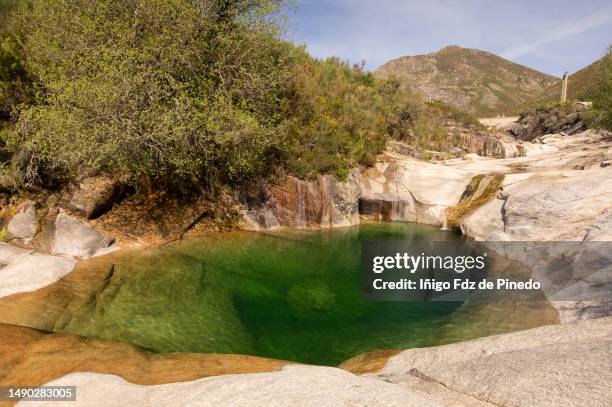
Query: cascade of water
(300, 207)
(326, 203)
(444, 224)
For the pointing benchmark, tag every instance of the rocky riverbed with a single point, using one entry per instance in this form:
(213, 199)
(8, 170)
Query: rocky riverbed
(555, 188)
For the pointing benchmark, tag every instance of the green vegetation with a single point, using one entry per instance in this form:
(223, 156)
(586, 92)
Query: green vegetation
(602, 97)
(581, 85)
(477, 81)
(592, 83)
(474, 197)
(183, 95)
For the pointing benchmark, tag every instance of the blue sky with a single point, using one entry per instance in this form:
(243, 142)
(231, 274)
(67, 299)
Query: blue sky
(550, 36)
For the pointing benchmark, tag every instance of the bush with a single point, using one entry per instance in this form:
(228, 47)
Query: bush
(602, 100)
(340, 117)
(175, 91)
(184, 94)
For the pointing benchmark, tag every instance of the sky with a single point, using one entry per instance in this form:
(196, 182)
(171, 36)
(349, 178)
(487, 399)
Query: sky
(552, 36)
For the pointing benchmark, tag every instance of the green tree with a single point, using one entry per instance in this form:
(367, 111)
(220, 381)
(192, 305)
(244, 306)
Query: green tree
(157, 89)
(184, 94)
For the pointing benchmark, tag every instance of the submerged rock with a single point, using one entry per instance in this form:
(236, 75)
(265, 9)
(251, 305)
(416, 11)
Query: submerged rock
(31, 358)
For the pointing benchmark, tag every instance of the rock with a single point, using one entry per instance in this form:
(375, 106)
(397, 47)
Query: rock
(24, 225)
(400, 188)
(558, 365)
(96, 195)
(321, 203)
(31, 358)
(555, 190)
(9, 253)
(555, 206)
(25, 271)
(293, 385)
(77, 239)
(562, 119)
(545, 206)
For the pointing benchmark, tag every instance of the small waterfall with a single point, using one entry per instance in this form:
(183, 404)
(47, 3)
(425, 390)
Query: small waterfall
(326, 203)
(396, 211)
(444, 223)
(300, 207)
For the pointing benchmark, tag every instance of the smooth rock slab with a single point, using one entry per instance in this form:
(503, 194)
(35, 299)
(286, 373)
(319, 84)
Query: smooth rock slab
(546, 206)
(559, 365)
(294, 385)
(25, 272)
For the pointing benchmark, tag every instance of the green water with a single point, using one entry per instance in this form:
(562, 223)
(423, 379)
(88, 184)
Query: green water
(286, 295)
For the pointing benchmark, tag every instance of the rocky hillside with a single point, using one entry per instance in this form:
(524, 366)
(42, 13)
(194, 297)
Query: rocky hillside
(581, 85)
(476, 81)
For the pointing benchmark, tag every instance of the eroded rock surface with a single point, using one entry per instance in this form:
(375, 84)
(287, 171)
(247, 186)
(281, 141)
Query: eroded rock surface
(324, 202)
(32, 358)
(401, 188)
(546, 206)
(294, 385)
(557, 365)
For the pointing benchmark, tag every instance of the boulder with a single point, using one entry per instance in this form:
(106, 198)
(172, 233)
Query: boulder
(78, 239)
(24, 224)
(96, 195)
(10, 253)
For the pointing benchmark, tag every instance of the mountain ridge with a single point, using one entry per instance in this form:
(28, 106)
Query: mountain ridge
(477, 81)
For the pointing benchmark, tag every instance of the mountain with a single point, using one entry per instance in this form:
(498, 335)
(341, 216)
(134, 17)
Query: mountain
(476, 81)
(580, 86)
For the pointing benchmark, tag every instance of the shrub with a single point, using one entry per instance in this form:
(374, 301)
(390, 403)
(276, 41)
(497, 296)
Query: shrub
(602, 100)
(175, 91)
(187, 94)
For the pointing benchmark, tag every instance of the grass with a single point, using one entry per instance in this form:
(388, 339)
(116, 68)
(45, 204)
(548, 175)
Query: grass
(472, 200)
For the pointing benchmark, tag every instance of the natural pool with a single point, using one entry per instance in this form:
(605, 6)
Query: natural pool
(293, 295)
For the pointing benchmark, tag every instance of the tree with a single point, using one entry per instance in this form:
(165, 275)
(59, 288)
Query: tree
(158, 89)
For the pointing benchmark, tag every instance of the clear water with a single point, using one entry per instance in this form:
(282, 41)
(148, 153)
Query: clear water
(292, 295)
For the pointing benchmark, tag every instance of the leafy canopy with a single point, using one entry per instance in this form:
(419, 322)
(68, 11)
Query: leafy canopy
(189, 93)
